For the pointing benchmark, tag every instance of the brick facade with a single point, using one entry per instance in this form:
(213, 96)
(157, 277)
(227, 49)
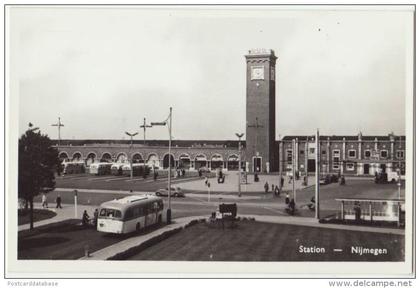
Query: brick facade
(260, 110)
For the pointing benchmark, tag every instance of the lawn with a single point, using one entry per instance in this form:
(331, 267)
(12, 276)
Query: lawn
(39, 214)
(256, 241)
(62, 240)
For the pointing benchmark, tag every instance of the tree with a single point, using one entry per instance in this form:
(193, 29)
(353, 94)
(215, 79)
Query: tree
(38, 162)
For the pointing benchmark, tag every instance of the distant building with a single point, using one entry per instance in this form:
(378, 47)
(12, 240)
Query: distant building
(351, 155)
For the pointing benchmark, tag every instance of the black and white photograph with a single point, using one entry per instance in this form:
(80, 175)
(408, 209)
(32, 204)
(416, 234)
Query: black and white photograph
(209, 141)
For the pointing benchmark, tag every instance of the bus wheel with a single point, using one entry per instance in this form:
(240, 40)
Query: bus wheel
(138, 227)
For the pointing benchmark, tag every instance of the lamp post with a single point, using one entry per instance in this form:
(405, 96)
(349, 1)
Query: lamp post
(293, 168)
(399, 173)
(169, 122)
(129, 158)
(317, 167)
(59, 125)
(144, 126)
(280, 162)
(239, 135)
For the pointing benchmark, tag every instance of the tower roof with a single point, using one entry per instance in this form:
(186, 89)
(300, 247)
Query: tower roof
(261, 52)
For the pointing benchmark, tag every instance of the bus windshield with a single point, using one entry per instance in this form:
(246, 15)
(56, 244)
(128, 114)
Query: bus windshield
(113, 213)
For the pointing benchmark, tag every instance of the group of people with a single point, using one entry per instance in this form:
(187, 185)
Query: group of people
(275, 189)
(44, 201)
(180, 172)
(86, 221)
(291, 205)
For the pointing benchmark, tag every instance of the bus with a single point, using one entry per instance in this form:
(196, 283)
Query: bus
(130, 214)
(139, 169)
(102, 168)
(73, 167)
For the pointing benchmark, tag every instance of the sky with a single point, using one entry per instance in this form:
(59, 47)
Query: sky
(103, 69)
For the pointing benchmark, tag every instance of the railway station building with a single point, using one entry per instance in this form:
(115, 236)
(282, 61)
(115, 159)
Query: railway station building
(261, 153)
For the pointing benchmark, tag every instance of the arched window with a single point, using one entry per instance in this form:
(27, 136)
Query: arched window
(106, 157)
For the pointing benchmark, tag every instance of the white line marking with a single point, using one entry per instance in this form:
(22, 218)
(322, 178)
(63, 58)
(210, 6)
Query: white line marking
(338, 250)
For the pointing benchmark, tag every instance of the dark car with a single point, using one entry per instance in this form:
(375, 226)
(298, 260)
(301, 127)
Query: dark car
(175, 192)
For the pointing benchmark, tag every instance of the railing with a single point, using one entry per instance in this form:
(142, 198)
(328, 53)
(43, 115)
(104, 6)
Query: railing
(389, 210)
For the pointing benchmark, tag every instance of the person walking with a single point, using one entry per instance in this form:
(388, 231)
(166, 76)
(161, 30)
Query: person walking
(287, 199)
(95, 217)
(44, 201)
(266, 187)
(277, 191)
(292, 206)
(58, 201)
(282, 181)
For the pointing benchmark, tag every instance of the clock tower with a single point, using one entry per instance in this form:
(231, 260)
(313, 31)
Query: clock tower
(260, 110)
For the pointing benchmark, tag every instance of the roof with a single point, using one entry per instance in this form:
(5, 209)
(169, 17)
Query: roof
(233, 144)
(341, 137)
(122, 202)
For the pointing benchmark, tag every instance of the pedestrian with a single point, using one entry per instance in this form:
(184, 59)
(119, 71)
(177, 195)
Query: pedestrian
(282, 181)
(95, 217)
(85, 219)
(206, 181)
(44, 201)
(311, 205)
(183, 172)
(155, 175)
(58, 201)
(277, 191)
(357, 211)
(292, 206)
(287, 199)
(266, 187)
(272, 188)
(343, 180)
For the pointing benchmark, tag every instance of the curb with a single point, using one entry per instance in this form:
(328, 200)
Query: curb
(149, 242)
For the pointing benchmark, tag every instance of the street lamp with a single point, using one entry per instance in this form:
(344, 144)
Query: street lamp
(169, 122)
(131, 145)
(239, 162)
(280, 162)
(144, 126)
(59, 125)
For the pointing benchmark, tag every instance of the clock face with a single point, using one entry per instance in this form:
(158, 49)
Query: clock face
(257, 73)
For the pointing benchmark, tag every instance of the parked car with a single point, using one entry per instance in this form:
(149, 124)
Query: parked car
(175, 192)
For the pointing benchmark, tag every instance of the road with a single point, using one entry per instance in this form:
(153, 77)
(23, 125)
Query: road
(94, 190)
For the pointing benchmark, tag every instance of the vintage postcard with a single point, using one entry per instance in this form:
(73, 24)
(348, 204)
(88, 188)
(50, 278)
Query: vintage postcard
(209, 141)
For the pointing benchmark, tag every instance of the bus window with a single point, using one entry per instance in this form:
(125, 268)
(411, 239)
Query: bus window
(136, 211)
(110, 213)
(129, 214)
